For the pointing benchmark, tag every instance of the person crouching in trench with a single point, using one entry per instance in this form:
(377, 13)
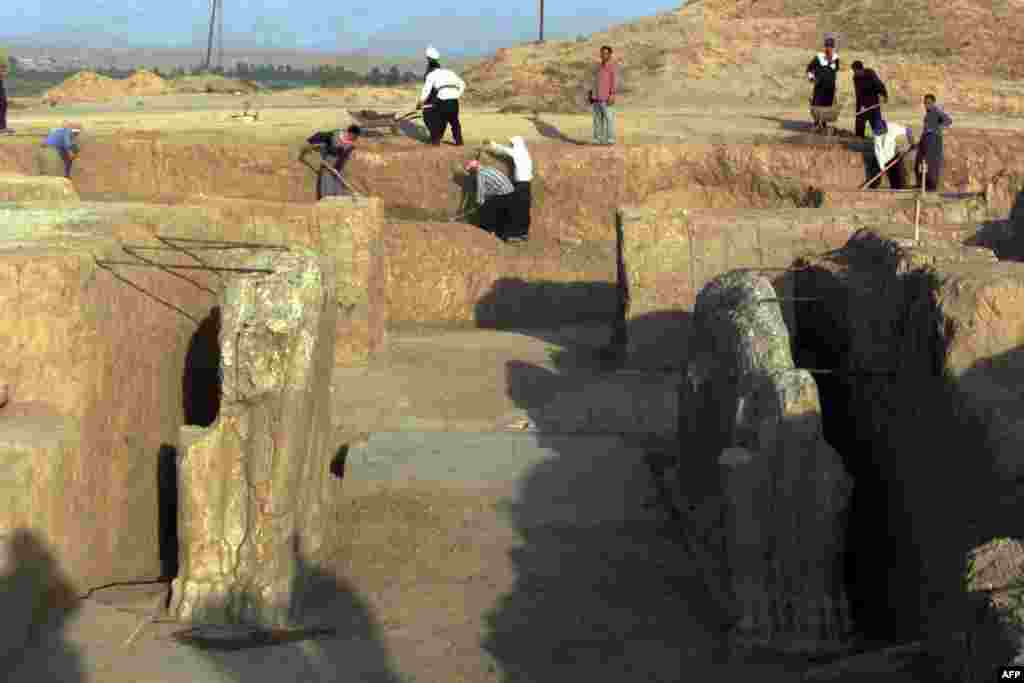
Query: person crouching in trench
(58, 152)
(335, 148)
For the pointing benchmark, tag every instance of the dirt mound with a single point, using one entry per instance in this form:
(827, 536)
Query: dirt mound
(144, 82)
(212, 83)
(759, 49)
(84, 86)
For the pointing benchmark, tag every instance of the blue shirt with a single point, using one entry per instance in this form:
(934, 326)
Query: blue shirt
(62, 139)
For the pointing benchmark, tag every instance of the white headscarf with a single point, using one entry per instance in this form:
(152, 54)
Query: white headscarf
(432, 53)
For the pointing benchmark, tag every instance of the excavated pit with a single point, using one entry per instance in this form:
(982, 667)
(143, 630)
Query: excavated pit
(913, 432)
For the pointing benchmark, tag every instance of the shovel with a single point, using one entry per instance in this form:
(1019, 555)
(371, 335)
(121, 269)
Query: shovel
(892, 163)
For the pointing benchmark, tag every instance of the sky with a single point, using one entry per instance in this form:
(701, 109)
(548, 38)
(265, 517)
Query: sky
(396, 28)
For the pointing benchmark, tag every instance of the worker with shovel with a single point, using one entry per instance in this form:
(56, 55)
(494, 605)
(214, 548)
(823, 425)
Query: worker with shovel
(494, 200)
(59, 151)
(870, 94)
(335, 147)
(522, 176)
(892, 143)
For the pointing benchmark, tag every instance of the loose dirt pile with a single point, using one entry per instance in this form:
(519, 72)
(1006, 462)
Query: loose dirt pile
(88, 86)
(212, 83)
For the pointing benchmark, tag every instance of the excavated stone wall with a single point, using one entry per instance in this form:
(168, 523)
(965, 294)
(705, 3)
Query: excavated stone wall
(94, 358)
(255, 486)
(747, 408)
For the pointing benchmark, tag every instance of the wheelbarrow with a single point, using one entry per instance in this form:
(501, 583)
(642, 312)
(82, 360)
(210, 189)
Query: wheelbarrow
(825, 117)
(370, 120)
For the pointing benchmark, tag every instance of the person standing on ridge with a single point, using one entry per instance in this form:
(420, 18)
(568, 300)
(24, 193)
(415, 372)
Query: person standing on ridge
(870, 93)
(602, 98)
(442, 88)
(822, 71)
(931, 148)
(4, 68)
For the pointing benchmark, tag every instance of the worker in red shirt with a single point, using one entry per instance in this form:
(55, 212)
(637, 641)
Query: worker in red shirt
(602, 97)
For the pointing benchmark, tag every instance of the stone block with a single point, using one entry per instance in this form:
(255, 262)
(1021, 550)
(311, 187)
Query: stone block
(255, 486)
(747, 409)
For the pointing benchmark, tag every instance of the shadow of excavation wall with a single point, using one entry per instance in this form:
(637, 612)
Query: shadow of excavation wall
(102, 358)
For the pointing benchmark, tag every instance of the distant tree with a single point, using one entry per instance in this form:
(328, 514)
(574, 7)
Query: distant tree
(394, 76)
(12, 66)
(409, 77)
(376, 76)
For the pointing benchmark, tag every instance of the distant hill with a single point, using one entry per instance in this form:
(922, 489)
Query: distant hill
(969, 52)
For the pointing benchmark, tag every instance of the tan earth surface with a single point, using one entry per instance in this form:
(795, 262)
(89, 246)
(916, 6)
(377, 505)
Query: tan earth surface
(437, 584)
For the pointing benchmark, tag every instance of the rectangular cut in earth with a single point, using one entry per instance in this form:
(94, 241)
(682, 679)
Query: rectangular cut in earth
(747, 409)
(254, 486)
(96, 342)
(931, 311)
(669, 255)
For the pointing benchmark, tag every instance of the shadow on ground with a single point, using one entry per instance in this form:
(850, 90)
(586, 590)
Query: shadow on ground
(37, 603)
(340, 641)
(1005, 237)
(551, 132)
(926, 490)
(603, 591)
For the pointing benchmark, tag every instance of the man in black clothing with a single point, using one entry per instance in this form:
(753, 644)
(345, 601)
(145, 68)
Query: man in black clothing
(3, 98)
(335, 147)
(870, 92)
(822, 70)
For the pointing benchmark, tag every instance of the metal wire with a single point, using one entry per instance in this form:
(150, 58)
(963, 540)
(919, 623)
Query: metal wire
(223, 269)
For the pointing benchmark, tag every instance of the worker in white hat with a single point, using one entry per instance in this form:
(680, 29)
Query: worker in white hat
(522, 176)
(442, 89)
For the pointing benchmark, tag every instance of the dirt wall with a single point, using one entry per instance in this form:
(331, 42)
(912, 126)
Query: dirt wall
(577, 188)
(914, 340)
(457, 273)
(103, 350)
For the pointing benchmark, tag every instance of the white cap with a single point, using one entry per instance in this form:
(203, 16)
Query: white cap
(432, 53)
(517, 141)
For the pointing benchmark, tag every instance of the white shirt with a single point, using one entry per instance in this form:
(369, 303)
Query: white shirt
(885, 145)
(449, 85)
(521, 161)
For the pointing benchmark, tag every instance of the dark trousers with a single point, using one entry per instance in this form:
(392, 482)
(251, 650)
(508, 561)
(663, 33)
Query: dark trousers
(873, 117)
(930, 150)
(497, 215)
(3, 106)
(446, 112)
(519, 223)
(896, 173)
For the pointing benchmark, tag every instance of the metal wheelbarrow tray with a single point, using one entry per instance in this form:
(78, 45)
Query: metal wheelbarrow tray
(371, 120)
(825, 117)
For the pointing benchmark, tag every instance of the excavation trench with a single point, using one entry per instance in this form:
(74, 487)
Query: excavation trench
(926, 488)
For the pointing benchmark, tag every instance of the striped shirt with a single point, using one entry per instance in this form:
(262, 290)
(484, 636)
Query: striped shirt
(491, 182)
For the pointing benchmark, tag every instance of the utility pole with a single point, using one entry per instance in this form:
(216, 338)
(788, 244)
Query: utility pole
(541, 40)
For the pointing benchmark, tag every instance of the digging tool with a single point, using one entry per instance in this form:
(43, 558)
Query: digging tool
(917, 204)
(892, 163)
(340, 178)
(867, 109)
(462, 215)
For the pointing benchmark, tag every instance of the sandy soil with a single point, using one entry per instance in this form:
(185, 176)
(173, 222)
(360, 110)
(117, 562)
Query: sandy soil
(435, 584)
